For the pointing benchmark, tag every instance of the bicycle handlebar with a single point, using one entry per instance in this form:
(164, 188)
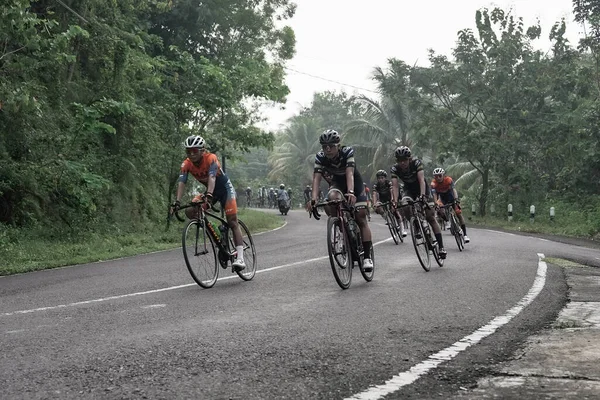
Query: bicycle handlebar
(188, 205)
(314, 212)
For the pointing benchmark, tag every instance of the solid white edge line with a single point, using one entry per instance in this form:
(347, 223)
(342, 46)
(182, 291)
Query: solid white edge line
(122, 296)
(415, 372)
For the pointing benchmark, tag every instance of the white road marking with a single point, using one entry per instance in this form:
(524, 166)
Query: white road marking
(154, 306)
(414, 373)
(122, 296)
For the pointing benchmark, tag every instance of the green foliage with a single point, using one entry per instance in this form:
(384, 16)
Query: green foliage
(96, 99)
(24, 250)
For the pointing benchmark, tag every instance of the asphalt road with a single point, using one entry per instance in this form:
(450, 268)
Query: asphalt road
(139, 327)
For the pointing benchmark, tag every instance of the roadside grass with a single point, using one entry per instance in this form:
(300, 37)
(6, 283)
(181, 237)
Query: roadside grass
(33, 250)
(575, 224)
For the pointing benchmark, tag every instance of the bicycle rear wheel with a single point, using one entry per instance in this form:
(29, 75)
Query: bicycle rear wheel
(390, 221)
(200, 254)
(340, 254)
(420, 243)
(249, 252)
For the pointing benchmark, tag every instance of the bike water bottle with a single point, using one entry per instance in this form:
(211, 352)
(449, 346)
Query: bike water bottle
(215, 230)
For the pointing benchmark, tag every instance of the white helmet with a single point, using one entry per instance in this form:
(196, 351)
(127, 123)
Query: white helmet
(439, 171)
(195, 142)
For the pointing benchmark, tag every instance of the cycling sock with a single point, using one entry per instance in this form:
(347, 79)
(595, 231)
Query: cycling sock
(464, 228)
(438, 237)
(240, 252)
(367, 248)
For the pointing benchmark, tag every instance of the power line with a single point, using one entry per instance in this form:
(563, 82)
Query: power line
(330, 80)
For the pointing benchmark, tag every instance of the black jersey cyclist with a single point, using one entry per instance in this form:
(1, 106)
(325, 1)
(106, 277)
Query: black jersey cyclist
(382, 193)
(338, 164)
(409, 170)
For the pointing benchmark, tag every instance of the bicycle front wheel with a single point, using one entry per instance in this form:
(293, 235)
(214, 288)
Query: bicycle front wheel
(435, 247)
(249, 252)
(200, 254)
(457, 232)
(340, 253)
(390, 221)
(420, 243)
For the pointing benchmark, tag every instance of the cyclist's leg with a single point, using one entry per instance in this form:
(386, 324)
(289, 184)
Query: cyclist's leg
(430, 216)
(461, 219)
(361, 216)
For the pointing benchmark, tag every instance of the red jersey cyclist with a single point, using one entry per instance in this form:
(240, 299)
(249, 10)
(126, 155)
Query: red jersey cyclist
(444, 192)
(205, 167)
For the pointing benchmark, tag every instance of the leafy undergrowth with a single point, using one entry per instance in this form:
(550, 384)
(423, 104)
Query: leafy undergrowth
(42, 248)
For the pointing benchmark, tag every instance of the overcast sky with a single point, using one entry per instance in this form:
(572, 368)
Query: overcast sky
(343, 40)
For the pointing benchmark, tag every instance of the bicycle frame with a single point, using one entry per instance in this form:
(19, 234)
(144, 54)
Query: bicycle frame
(351, 250)
(221, 239)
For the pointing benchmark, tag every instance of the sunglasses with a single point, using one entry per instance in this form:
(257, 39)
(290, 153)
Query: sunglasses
(328, 146)
(438, 176)
(401, 159)
(194, 150)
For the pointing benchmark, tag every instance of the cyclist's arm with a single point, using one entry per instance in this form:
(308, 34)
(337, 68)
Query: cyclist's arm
(421, 178)
(316, 184)
(182, 180)
(436, 197)
(350, 180)
(454, 192)
(180, 189)
(210, 185)
(375, 196)
(395, 189)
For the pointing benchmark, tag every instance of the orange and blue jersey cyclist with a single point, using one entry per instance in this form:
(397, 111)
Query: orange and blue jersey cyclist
(205, 167)
(444, 192)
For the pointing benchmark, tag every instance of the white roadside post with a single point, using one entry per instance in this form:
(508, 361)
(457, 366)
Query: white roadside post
(552, 214)
(531, 213)
(510, 212)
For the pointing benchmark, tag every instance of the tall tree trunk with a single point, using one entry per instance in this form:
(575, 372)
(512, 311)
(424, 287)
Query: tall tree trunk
(485, 189)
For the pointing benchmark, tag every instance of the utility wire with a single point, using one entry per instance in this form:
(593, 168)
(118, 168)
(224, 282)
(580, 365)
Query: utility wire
(330, 80)
(73, 11)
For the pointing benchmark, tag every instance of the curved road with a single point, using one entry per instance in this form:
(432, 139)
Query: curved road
(140, 328)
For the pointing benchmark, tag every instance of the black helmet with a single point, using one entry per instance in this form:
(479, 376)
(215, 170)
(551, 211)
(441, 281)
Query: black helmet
(381, 172)
(403, 152)
(330, 136)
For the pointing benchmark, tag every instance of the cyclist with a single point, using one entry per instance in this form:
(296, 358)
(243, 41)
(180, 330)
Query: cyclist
(382, 192)
(369, 202)
(272, 198)
(307, 196)
(248, 196)
(337, 163)
(205, 167)
(444, 192)
(409, 170)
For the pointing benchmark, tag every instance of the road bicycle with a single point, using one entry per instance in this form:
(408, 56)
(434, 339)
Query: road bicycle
(421, 232)
(455, 229)
(344, 242)
(392, 222)
(207, 244)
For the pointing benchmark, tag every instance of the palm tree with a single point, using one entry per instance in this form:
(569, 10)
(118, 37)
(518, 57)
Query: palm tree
(379, 129)
(293, 157)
